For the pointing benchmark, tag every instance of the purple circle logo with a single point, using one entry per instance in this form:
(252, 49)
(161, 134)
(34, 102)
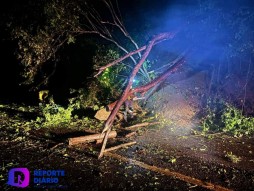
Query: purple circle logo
(19, 177)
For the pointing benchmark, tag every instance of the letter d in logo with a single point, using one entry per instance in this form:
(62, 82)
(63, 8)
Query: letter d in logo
(19, 177)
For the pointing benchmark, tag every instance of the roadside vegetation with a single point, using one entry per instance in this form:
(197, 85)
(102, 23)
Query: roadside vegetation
(221, 116)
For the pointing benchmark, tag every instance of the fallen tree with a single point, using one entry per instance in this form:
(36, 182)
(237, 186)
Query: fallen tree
(65, 22)
(143, 89)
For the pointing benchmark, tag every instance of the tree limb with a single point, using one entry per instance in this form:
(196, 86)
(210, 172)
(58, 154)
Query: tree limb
(87, 138)
(120, 146)
(101, 69)
(169, 172)
(141, 125)
(161, 78)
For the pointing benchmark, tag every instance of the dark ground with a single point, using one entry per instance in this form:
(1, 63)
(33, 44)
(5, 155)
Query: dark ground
(190, 155)
(219, 159)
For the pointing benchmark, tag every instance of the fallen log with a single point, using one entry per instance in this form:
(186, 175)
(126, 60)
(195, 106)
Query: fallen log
(120, 146)
(88, 138)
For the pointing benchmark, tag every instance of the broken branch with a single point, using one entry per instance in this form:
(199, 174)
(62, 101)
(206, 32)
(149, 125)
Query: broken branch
(141, 125)
(170, 173)
(120, 146)
(101, 69)
(82, 139)
(151, 84)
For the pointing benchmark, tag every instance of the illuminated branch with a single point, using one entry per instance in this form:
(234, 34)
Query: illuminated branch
(99, 27)
(173, 67)
(101, 69)
(119, 24)
(161, 78)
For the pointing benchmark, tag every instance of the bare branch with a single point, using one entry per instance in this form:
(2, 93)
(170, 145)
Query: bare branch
(101, 69)
(120, 146)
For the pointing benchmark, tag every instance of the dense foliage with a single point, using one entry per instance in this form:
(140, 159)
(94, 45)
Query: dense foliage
(221, 116)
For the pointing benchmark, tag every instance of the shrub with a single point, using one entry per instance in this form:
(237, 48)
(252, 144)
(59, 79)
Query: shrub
(237, 123)
(224, 117)
(55, 115)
